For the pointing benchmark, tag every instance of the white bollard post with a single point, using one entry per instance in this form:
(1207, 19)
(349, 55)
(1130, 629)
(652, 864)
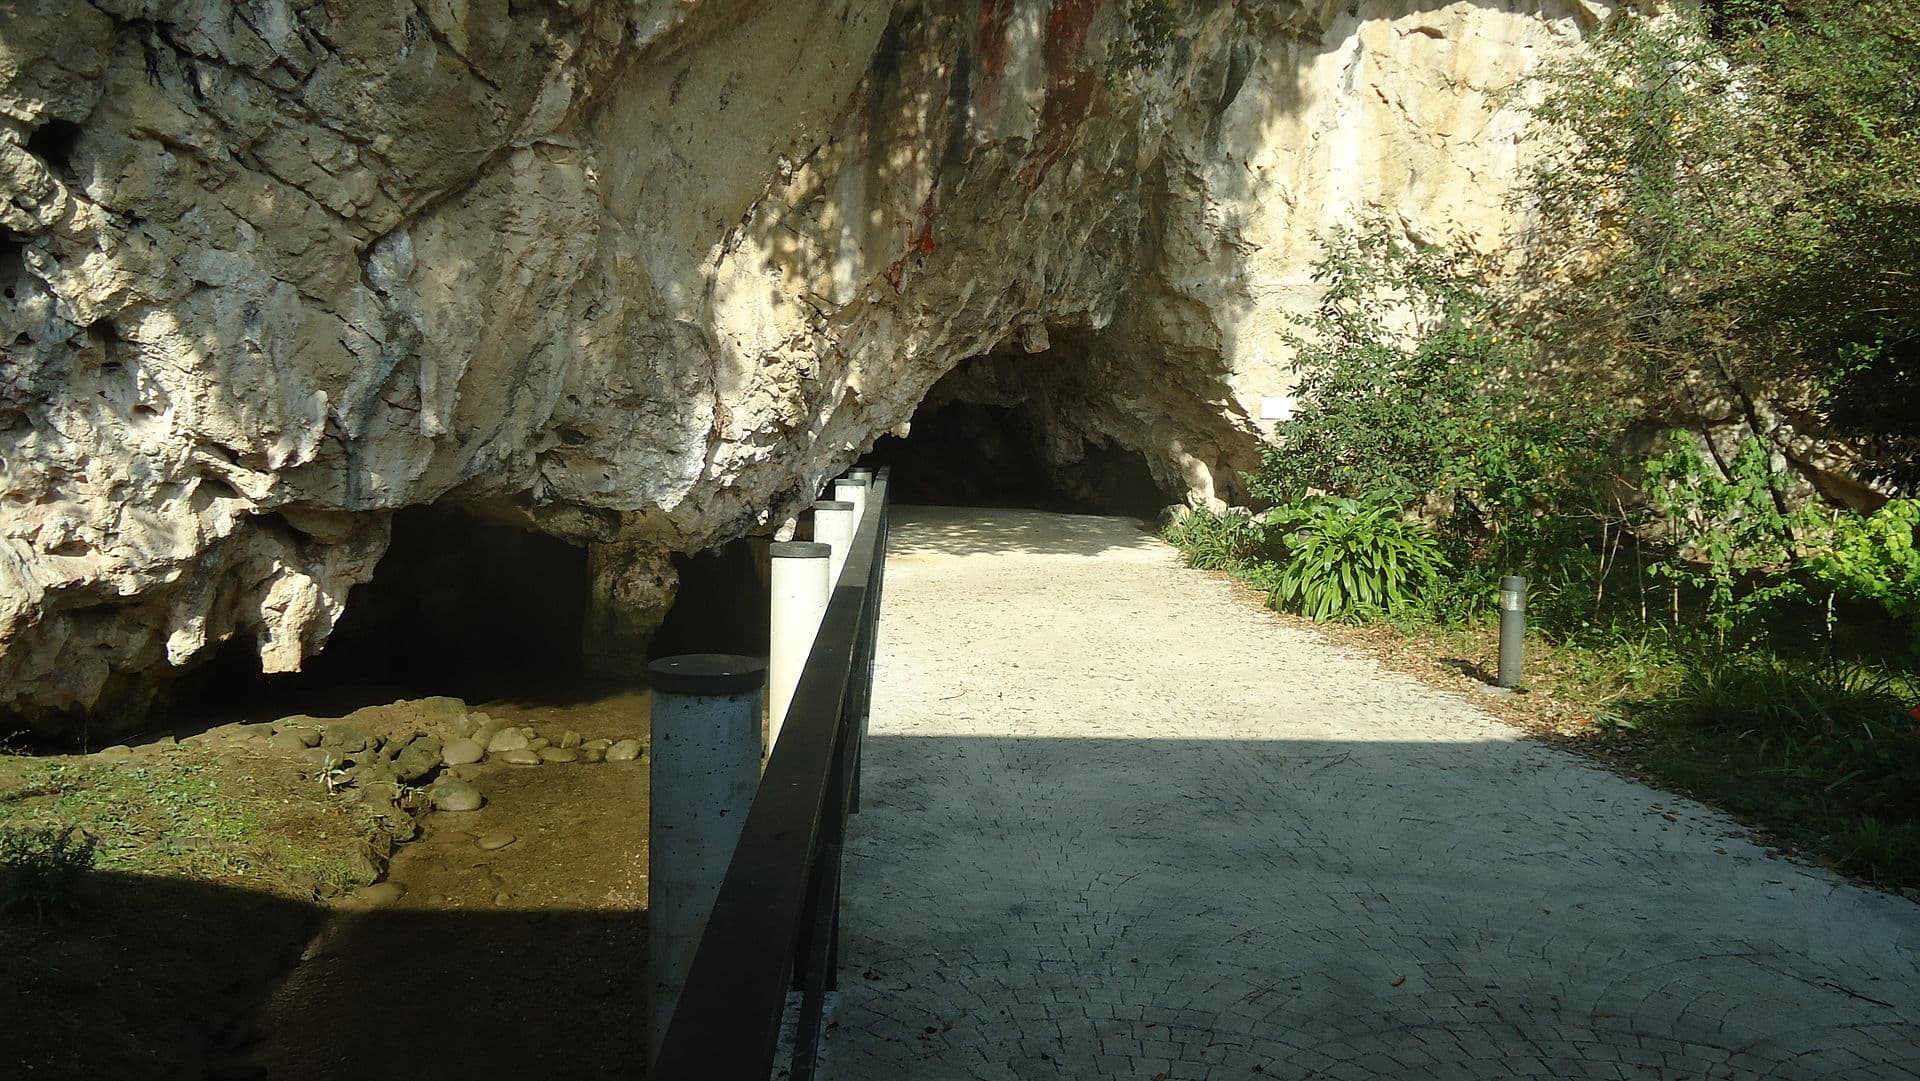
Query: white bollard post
(800, 592)
(833, 526)
(705, 767)
(853, 490)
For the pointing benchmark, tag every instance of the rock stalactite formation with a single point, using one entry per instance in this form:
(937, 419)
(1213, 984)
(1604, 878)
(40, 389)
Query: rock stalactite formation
(641, 274)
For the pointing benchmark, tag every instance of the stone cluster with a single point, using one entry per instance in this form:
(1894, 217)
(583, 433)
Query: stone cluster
(413, 756)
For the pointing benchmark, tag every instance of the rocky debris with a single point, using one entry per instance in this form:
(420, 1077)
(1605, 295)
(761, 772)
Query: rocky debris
(288, 743)
(449, 795)
(627, 750)
(568, 740)
(507, 739)
(301, 727)
(379, 895)
(345, 739)
(420, 757)
(493, 840)
(520, 756)
(484, 727)
(381, 796)
(558, 754)
(119, 752)
(461, 752)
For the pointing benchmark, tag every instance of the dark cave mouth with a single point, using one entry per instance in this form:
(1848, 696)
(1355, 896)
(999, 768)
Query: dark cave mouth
(961, 453)
(475, 608)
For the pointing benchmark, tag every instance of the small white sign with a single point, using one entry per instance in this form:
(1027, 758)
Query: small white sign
(1278, 408)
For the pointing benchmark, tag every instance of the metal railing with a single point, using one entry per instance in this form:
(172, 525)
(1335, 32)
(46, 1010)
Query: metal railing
(775, 927)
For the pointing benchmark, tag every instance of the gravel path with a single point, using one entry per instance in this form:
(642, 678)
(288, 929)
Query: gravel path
(1120, 823)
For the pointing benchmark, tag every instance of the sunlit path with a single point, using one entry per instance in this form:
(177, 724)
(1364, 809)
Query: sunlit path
(1118, 822)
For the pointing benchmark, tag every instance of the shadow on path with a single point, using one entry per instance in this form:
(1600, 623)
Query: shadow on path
(154, 978)
(1028, 907)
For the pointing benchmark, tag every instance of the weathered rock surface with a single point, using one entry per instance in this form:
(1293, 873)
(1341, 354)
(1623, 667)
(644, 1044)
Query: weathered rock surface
(641, 275)
(456, 796)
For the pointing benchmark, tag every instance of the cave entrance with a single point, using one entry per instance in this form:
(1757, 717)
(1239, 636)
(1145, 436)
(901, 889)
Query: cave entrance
(1005, 431)
(465, 606)
(459, 605)
(480, 609)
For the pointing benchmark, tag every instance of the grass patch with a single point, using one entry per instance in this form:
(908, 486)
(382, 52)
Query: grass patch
(1825, 754)
(182, 813)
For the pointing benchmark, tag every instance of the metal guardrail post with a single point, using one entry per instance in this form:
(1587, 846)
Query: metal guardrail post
(853, 490)
(705, 766)
(775, 924)
(834, 524)
(870, 633)
(800, 589)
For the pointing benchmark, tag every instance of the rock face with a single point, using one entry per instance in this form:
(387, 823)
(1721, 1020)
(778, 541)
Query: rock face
(640, 275)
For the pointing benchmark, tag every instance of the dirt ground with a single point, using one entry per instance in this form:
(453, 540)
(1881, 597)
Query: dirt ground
(526, 960)
(222, 932)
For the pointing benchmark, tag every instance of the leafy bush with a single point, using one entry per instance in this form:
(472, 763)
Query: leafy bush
(40, 867)
(1346, 558)
(1735, 541)
(1874, 558)
(1766, 696)
(1729, 207)
(1413, 388)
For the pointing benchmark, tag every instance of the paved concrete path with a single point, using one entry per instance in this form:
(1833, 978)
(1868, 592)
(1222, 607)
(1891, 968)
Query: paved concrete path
(1121, 823)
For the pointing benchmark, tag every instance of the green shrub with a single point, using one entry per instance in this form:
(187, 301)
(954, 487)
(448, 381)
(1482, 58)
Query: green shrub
(1734, 522)
(39, 867)
(1824, 752)
(1351, 559)
(1765, 695)
(1212, 541)
(1874, 558)
(1411, 387)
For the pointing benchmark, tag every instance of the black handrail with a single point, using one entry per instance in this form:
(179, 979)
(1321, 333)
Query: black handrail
(776, 923)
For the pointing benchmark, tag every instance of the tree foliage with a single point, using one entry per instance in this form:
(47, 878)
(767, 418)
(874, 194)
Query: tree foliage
(1730, 215)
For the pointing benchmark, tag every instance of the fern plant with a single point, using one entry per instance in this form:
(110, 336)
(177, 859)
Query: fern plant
(1348, 558)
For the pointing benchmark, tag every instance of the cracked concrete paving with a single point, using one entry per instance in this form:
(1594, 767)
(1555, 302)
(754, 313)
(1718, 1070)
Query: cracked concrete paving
(1119, 823)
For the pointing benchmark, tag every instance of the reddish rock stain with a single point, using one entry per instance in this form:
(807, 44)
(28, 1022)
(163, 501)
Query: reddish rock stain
(990, 37)
(1071, 85)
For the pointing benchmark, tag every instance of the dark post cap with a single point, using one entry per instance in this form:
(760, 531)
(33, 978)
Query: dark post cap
(800, 549)
(833, 504)
(1514, 583)
(707, 674)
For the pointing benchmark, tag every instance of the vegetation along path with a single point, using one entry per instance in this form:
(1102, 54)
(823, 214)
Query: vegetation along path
(1120, 823)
